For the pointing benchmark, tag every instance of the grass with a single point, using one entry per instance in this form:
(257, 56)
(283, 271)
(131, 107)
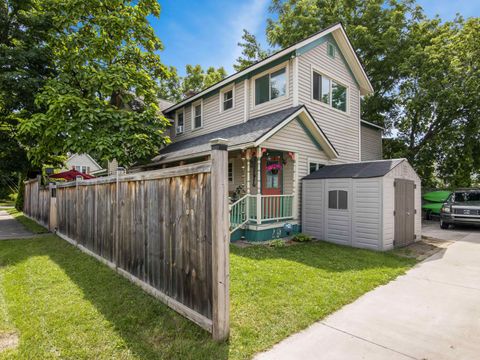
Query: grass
(65, 304)
(8, 203)
(29, 224)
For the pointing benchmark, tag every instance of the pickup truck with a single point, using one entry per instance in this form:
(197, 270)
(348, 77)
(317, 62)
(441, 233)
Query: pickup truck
(462, 207)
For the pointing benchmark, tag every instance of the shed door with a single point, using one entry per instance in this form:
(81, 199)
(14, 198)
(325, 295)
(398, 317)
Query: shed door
(404, 212)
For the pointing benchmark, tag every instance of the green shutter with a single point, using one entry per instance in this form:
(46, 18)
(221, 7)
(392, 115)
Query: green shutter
(261, 89)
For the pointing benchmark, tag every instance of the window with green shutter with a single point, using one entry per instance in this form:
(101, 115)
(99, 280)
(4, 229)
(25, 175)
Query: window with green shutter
(271, 86)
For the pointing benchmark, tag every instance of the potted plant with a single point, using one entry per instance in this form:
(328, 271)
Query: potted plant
(273, 168)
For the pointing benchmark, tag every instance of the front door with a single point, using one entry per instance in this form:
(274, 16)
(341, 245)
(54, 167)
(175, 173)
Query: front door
(272, 175)
(272, 178)
(404, 212)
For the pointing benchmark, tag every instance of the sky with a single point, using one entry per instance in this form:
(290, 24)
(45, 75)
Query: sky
(207, 32)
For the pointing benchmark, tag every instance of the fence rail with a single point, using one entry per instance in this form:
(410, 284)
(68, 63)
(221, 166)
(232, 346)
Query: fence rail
(157, 228)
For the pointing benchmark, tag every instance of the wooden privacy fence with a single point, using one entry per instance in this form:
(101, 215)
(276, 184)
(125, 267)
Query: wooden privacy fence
(36, 201)
(166, 230)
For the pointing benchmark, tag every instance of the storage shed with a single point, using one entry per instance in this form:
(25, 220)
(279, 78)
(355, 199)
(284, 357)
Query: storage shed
(374, 205)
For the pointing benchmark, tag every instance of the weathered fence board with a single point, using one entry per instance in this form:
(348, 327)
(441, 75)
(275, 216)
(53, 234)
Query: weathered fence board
(156, 229)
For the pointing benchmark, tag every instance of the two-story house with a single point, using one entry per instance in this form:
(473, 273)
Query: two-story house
(284, 117)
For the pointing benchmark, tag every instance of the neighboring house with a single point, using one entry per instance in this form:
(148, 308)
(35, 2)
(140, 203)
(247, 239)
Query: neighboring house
(83, 163)
(284, 117)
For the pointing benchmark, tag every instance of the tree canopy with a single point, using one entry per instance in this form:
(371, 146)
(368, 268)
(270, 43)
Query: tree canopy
(103, 96)
(196, 79)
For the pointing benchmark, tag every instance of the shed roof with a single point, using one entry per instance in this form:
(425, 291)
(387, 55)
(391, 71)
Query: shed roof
(364, 169)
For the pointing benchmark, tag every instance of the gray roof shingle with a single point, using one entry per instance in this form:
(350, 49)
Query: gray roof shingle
(366, 169)
(243, 133)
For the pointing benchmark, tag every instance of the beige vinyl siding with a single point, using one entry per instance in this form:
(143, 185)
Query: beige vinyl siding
(293, 138)
(213, 118)
(238, 174)
(371, 143)
(275, 104)
(342, 128)
(401, 171)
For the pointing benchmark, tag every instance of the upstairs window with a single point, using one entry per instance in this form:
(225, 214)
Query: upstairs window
(227, 99)
(197, 121)
(329, 92)
(330, 50)
(82, 169)
(338, 199)
(271, 86)
(180, 123)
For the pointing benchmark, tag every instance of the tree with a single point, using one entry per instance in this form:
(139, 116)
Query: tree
(252, 51)
(25, 64)
(437, 105)
(196, 79)
(377, 29)
(102, 98)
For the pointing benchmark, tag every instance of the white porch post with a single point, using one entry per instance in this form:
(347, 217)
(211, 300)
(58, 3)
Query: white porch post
(259, 185)
(248, 156)
(296, 187)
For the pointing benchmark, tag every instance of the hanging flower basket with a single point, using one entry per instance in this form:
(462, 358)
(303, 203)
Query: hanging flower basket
(273, 168)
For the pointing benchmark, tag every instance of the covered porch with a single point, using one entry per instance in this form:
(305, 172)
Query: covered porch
(263, 186)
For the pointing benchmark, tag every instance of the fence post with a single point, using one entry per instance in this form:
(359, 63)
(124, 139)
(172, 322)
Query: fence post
(220, 241)
(52, 223)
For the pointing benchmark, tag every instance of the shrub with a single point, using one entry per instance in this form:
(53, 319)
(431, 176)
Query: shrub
(277, 243)
(302, 238)
(21, 191)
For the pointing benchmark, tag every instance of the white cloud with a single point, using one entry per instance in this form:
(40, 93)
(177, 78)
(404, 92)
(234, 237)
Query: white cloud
(250, 15)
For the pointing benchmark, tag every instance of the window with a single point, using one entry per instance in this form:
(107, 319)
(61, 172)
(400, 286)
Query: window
(197, 115)
(227, 100)
(329, 92)
(272, 177)
(180, 122)
(271, 86)
(314, 166)
(230, 172)
(339, 96)
(82, 169)
(338, 199)
(331, 50)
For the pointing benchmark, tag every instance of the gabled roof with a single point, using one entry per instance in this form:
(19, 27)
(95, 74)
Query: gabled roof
(340, 36)
(88, 156)
(365, 169)
(248, 134)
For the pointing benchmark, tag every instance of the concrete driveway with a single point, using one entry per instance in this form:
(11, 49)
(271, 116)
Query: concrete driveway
(432, 312)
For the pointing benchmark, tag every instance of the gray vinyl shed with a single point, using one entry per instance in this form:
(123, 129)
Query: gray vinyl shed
(374, 205)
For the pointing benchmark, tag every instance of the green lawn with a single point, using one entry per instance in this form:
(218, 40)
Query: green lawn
(25, 221)
(64, 304)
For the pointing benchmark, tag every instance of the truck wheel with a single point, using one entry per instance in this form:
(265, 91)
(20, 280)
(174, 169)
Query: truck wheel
(443, 225)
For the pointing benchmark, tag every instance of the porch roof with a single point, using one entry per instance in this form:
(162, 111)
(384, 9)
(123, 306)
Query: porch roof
(238, 136)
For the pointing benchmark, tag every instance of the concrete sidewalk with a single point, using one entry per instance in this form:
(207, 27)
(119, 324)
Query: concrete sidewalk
(11, 228)
(433, 312)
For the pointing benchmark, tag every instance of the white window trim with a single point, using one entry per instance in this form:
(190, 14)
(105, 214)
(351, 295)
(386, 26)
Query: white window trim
(233, 172)
(182, 110)
(223, 91)
(269, 71)
(315, 161)
(331, 78)
(196, 103)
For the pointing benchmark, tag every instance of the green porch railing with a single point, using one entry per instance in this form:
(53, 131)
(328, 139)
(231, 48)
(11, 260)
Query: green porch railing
(277, 207)
(273, 208)
(238, 213)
